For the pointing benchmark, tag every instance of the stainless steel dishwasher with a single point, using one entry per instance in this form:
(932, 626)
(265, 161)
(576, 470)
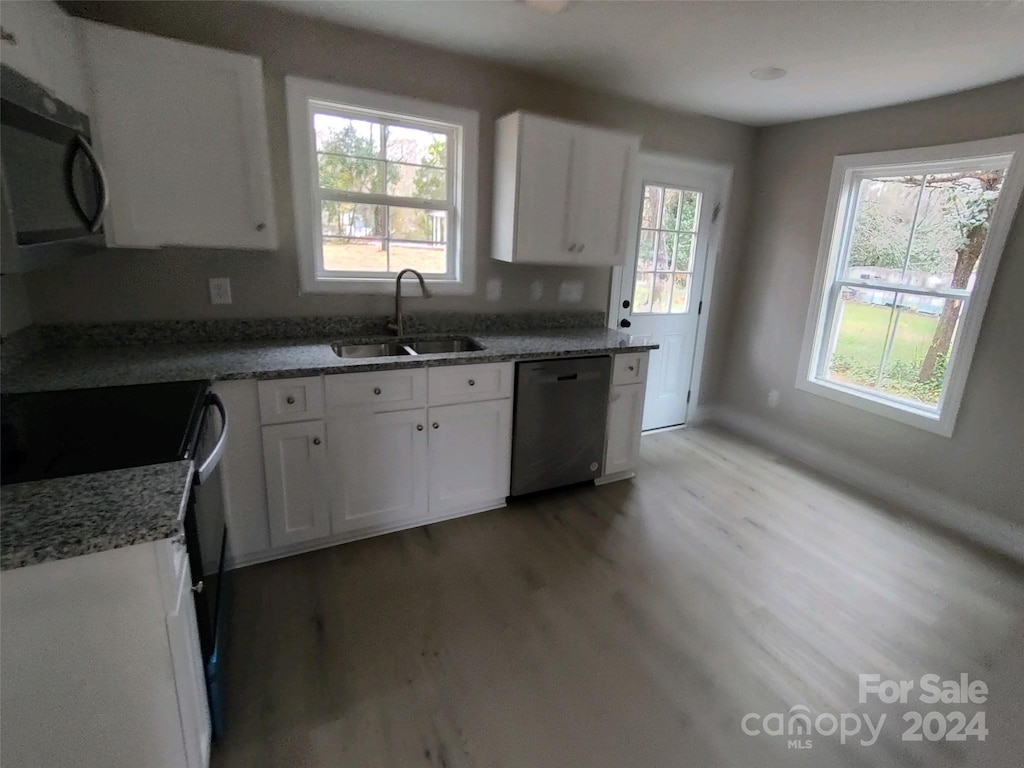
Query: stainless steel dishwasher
(559, 426)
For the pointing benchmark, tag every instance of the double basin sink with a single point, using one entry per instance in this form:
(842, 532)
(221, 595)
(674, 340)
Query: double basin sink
(398, 347)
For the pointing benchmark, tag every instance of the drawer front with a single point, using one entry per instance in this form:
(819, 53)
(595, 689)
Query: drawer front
(466, 383)
(629, 368)
(381, 390)
(284, 400)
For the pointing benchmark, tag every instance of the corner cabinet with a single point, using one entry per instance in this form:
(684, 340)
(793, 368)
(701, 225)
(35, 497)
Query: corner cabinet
(182, 134)
(560, 192)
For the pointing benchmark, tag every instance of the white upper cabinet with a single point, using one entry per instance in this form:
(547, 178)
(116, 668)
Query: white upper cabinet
(41, 43)
(560, 192)
(182, 133)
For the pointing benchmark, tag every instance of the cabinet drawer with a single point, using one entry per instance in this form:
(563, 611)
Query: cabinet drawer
(466, 383)
(391, 390)
(629, 368)
(285, 400)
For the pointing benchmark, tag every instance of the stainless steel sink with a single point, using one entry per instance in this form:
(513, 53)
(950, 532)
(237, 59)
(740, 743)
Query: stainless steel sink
(388, 348)
(453, 344)
(382, 349)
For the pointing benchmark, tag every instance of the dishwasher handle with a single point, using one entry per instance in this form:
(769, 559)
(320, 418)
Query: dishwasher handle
(205, 469)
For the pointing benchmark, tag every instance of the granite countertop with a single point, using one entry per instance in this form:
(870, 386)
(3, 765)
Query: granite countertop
(82, 367)
(70, 516)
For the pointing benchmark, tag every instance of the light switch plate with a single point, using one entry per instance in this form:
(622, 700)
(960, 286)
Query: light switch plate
(494, 289)
(220, 290)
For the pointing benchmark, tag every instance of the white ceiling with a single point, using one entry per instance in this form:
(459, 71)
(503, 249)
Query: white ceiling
(841, 55)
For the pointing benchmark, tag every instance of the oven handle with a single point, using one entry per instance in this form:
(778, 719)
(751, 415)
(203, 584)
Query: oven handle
(101, 185)
(210, 462)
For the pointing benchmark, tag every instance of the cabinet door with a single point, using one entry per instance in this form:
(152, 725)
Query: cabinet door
(542, 223)
(294, 456)
(182, 132)
(470, 455)
(378, 470)
(602, 163)
(625, 416)
(189, 677)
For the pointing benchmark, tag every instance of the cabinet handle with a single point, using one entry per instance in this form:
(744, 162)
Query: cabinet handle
(290, 400)
(260, 227)
(435, 425)
(472, 383)
(197, 587)
(581, 247)
(316, 441)
(419, 427)
(376, 390)
(572, 247)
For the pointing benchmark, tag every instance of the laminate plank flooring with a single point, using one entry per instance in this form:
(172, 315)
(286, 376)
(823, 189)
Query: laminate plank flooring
(629, 625)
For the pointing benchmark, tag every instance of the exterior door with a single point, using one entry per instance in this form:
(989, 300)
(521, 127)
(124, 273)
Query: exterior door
(660, 295)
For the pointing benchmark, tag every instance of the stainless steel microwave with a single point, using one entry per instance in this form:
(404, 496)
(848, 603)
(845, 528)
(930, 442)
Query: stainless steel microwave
(54, 191)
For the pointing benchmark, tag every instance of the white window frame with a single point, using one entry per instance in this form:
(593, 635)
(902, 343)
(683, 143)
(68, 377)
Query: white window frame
(847, 170)
(304, 97)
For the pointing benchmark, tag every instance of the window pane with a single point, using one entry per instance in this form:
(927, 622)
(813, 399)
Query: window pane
(662, 292)
(645, 253)
(689, 211)
(684, 253)
(418, 181)
(863, 327)
(418, 240)
(416, 147)
(881, 228)
(652, 205)
(353, 237)
(351, 174)
(663, 255)
(680, 294)
(670, 214)
(642, 292)
(347, 136)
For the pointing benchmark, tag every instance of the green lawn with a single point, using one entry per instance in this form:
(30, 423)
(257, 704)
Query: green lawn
(863, 329)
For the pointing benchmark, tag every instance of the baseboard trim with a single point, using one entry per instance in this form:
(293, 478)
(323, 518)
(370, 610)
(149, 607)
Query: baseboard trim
(276, 553)
(984, 528)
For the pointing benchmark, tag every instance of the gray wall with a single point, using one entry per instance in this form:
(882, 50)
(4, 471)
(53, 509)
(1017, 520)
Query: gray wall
(171, 284)
(982, 463)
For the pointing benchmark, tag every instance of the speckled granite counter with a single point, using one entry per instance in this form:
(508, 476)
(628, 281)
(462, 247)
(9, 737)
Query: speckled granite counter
(71, 516)
(82, 367)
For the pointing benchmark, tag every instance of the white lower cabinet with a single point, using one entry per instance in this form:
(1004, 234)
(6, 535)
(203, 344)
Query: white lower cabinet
(189, 677)
(317, 461)
(295, 462)
(470, 455)
(378, 472)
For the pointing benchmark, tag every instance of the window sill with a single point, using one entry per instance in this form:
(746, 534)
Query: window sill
(385, 286)
(936, 423)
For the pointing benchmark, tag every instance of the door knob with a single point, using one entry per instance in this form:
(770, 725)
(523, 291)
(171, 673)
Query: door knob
(624, 323)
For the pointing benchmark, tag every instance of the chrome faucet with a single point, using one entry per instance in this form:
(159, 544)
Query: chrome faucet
(398, 326)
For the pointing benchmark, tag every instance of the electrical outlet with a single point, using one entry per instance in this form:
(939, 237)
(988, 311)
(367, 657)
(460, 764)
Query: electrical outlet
(494, 289)
(220, 290)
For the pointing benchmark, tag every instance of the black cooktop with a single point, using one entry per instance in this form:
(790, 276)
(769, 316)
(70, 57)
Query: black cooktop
(76, 431)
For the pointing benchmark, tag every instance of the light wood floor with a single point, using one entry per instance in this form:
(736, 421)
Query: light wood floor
(626, 626)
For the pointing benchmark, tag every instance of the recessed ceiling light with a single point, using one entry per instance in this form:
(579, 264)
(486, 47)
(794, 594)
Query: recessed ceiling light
(768, 73)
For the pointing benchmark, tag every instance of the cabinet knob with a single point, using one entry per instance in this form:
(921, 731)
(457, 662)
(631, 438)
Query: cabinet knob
(419, 427)
(260, 227)
(472, 383)
(316, 441)
(435, 425)
(376, 390)
(290, 400)
(198, 587)
(632, 368)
